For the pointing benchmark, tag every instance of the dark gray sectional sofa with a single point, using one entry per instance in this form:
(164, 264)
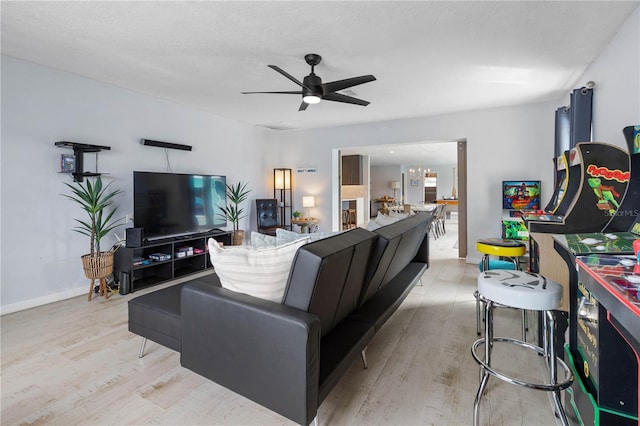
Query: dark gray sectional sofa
(288, 356)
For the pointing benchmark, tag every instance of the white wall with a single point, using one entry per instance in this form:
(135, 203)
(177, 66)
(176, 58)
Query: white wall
(445, 178)
(381, 178)
(413, 194)
(40, 254)
(616, 72)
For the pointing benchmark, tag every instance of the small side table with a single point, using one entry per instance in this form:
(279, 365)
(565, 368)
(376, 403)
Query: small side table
(304, 224)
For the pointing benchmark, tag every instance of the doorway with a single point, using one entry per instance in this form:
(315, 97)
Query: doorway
(457, 157)
(431, 187)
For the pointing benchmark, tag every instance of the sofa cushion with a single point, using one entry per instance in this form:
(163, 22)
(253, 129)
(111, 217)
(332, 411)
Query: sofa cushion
(156, 316)
(399, 244)
(259, 272)
(284, 236)
(262, 240)
(384, 220)
(372, 225)
(328, 275)
(397, 215)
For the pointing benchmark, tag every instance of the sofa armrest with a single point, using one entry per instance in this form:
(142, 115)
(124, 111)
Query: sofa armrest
(263, 350)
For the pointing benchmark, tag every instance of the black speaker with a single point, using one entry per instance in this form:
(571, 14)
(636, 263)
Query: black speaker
(161, 144)
(133, 237)
(125, 283)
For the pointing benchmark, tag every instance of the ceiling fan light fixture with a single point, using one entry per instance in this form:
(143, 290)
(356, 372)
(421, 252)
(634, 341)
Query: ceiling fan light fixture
(314, 90)
(311, 99)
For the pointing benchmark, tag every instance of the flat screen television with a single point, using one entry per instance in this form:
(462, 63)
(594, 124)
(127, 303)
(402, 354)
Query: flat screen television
(171, 204)
(521, 195)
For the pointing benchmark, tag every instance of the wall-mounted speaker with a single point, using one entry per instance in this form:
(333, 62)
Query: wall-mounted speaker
(161, 144)
(133, 237)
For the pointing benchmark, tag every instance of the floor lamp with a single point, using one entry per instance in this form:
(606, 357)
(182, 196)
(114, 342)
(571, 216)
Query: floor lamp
(282, 192)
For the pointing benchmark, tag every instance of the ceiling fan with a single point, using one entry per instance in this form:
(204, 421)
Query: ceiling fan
(314, 90)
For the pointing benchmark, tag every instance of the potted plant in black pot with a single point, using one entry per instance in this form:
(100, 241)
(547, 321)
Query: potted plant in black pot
(236, 194)
(94, 199)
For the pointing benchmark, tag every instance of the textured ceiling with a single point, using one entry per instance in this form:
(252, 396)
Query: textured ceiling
(429, 57)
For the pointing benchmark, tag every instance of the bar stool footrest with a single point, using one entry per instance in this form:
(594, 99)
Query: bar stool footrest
(548, 387)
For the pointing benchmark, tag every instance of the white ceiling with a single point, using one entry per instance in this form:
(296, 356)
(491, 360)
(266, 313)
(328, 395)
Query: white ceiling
(428, 57)
(425, 155)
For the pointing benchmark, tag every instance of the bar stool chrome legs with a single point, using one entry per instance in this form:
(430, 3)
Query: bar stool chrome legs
(481, 301)
(521, 290)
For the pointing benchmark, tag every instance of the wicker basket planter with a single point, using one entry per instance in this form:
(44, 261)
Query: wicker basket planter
(237, 238)
(98, 267)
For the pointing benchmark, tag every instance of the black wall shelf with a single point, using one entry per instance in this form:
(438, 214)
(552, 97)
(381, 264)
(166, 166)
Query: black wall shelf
(78, 151)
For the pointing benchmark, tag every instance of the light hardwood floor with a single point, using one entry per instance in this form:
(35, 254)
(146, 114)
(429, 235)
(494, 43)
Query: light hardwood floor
(74, 363)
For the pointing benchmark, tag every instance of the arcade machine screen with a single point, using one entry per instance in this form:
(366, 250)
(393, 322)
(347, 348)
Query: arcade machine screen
(521, 195)
(561, 188)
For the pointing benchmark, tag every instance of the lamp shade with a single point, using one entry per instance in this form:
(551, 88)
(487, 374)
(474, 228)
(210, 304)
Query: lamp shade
(395, 184)
(308, 201)
(282, 178)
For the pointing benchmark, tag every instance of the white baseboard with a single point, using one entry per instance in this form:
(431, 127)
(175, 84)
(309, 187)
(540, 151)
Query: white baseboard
(39, 301)
(474, 259)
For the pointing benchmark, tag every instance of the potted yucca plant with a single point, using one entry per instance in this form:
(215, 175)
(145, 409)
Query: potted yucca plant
(236, 194)
(94, 199)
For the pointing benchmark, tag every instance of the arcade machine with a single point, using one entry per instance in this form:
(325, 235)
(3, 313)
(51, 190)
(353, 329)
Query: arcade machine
(518, 196)
(630, 206)
(567, 181)
(604, 325)
(597, 179)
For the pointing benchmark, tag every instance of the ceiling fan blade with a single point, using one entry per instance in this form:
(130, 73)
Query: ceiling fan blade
(286, 74)
(337, 97)
(334, 86)
(303, 106)
(282, 93)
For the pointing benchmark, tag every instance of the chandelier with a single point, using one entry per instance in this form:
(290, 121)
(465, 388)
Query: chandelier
(416, 172)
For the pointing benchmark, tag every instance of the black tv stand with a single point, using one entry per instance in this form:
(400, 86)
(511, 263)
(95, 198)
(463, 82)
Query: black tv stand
(134, 264)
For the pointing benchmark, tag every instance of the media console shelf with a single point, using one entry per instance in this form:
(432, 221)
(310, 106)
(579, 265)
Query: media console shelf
(78, 151)
(135, 265)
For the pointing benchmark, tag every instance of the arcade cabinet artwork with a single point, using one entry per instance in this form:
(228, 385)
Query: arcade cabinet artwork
(561, 165)
(518, 196)
(598, 177)
(521, 195)
(606, 194)
(629, 208)
(514, 229)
